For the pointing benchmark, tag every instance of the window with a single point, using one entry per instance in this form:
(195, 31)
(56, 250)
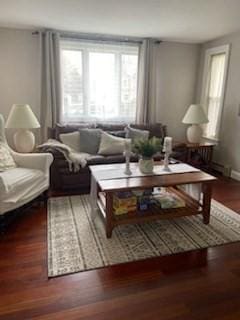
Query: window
(99, 81)
(214, 78)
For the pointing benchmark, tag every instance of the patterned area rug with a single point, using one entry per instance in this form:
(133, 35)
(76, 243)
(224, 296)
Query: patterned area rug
(77, 243)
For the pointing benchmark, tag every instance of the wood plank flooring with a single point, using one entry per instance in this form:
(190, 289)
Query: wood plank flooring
(198, 285)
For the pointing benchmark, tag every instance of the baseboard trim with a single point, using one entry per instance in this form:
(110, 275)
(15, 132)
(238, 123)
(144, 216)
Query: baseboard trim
(225, 170)
(235, 175)
(217, 167)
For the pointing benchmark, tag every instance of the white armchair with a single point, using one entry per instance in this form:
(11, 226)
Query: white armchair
(27, 181)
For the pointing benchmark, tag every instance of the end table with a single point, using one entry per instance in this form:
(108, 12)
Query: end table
(200, 154)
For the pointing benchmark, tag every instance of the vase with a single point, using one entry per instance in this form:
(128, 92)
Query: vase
(146, 165)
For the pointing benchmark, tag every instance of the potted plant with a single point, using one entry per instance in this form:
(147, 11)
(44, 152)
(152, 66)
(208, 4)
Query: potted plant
(146, 149)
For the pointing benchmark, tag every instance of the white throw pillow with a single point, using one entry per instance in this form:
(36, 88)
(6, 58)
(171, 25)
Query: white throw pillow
(110, 144)
(6, 159)
(71, 139)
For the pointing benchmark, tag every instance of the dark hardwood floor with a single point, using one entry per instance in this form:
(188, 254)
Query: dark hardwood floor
(198, 285)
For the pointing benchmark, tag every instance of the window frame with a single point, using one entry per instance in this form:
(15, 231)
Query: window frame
(223, 49)
(74, 45)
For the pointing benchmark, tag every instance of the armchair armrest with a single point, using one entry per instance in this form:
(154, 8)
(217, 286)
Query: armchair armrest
(40, 161)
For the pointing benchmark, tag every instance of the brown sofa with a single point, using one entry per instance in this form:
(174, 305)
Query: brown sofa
(64, 180)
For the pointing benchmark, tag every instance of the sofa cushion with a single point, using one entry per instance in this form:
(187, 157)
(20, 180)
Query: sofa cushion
(117, 158)
(98, 159)
(59, 128)
(71, 139)
(112, 145)
(111, 126)
(136, 134)
(6, 159)
(120, 133)
(155, 130)
(16, 180)
(90, 140)
(120, 158)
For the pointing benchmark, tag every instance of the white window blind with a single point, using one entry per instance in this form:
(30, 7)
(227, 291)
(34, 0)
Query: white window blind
(99, 81)
(213, 89)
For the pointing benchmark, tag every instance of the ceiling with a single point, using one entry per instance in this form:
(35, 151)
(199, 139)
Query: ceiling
(193, 21)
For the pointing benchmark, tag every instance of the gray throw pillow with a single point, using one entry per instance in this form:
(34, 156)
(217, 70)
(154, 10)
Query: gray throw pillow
(90, 140)
(136, 134)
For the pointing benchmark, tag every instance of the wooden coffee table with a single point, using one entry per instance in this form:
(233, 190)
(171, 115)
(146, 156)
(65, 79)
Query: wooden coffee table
(103, 187)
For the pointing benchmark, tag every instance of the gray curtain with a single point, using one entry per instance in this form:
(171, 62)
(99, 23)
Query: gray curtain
(50, 80)
(146, 89)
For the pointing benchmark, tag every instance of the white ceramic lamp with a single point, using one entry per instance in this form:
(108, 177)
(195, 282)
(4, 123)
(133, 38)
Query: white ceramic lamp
(195, 116)
(22, 118)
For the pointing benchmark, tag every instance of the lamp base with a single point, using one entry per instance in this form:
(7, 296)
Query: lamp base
(24, 141)
(194, 133)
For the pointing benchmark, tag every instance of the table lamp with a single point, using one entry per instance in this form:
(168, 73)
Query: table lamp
(195, 116)
(22, 118)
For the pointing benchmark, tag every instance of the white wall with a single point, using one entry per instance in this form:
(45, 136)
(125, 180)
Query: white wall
(228, 150)
(177, 69)
(19, 70)
(20, 77)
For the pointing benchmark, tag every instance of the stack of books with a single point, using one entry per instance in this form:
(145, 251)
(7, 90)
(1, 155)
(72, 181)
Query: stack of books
(143, 198)
(124, 202)
(128, 202)
(167, 200)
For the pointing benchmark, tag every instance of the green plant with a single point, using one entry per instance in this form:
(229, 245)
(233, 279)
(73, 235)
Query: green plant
(147, 148)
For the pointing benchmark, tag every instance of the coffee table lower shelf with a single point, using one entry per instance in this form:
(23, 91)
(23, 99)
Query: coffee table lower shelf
(105, 205)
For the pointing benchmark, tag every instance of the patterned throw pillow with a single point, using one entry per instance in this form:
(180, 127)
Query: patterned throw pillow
(6, 159)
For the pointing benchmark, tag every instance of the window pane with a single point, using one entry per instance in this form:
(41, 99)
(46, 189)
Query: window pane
(72, 81)
(99, 81)
(129, 65)
(103, 85)
(216, 76)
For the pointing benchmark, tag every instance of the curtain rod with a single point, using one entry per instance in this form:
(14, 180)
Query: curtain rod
(100, 37)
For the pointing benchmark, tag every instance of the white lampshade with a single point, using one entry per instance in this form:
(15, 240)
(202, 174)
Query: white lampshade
(195, 115)
(22, 117)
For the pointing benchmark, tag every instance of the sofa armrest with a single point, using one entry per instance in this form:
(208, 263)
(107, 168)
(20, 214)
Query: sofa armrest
(40, 161)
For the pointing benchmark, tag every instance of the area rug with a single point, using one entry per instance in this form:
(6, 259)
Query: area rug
(76, 242)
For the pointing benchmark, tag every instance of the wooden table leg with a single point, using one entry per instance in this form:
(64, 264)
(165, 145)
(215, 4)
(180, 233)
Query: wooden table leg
(207, 195)
(93, 197)
(45, 198)
(109, 214)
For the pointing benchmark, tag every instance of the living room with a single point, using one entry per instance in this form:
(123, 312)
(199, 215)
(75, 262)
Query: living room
(119, 159)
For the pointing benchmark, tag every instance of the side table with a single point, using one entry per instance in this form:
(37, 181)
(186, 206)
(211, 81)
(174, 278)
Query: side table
(200, 154)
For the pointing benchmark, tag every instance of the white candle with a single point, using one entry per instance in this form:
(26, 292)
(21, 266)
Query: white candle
(128, 146)
(167, 145)
(127, 154)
